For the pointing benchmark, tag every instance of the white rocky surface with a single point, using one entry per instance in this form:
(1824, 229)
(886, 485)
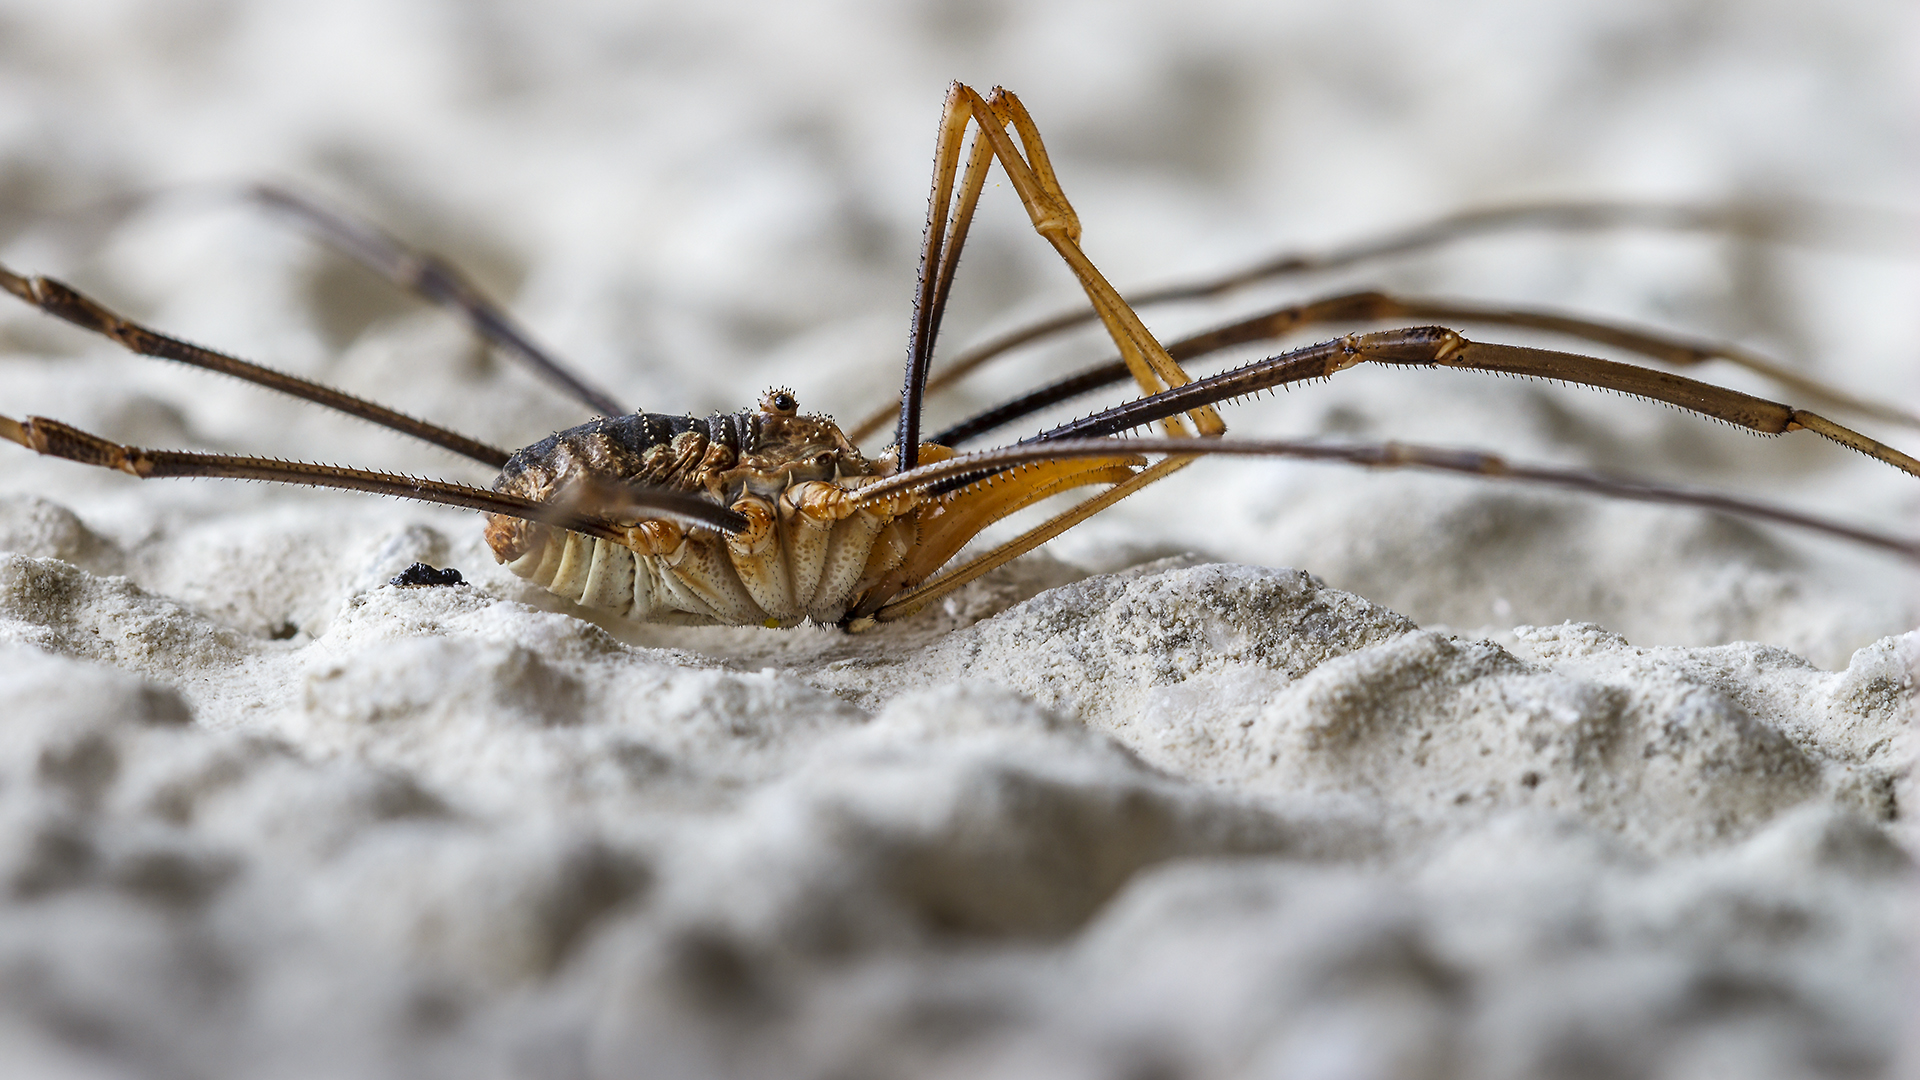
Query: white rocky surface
(1496, 784)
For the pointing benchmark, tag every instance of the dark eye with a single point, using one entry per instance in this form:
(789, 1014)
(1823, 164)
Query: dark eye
(824, 460)
(784, 402)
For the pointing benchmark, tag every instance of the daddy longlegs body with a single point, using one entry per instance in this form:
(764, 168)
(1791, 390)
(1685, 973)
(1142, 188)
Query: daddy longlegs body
(768, 516)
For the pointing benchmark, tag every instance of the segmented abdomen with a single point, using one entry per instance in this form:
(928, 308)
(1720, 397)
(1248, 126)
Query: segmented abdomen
(702, 582)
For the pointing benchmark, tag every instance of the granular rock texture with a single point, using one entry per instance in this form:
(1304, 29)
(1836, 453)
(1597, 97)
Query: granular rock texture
(1273, 770)
(1204, 818)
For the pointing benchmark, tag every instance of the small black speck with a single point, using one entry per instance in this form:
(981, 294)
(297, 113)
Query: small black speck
(285, 630)
(1530, 779)
(422, 574)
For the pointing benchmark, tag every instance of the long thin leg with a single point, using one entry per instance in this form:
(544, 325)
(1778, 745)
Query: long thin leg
(1437, 346)
(55, 439)
(64, 302)
(434, 279)
(1151, 365)
(1788, 223)
(1384, 455)
(1053, 218)
(1366, 306)
(1766, 222)
(1430, 346)
(885, 608)
(929, 291)
(1032, 176)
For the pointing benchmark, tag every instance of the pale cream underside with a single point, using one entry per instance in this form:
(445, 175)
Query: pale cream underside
(809, 571)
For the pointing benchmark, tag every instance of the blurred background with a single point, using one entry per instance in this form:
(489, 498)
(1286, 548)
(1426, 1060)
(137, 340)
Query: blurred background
(693, 202)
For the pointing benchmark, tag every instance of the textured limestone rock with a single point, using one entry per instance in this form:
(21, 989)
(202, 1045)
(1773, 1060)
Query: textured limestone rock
(1498, 784)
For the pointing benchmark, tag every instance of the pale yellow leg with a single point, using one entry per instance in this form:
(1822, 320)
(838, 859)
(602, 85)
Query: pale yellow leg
(1053, 217)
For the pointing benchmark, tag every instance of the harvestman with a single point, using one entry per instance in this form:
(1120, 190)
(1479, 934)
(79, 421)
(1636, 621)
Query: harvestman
(768, 516)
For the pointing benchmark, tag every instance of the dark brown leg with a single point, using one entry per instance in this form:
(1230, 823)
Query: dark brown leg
(431, 278)
(1152, 366)
(940, 249)
(63, 302)
(1031, 174)
(1784, 223)
(55, 439)
(1366, 306)
(968, 467)
(1429, 346)
(1437, 346)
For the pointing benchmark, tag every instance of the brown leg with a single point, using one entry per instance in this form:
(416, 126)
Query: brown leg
(1772, 223)
(1378, 455)
(1031, 173)
(1370, 306)
(63, 302)
(1418, 346)
(1054, 219)
(1437, 346)
(939, 253)
(1032, 176)
(55, 439)
(1151, 365)
(905, 603)
(433, 279)
(1652, 344)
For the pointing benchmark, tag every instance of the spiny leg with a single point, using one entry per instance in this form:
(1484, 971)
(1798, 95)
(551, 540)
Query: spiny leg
(1653, 344)
(929, 290)
(1372, 305)
(1430, 346)
(1437, 346)
(1766, 222)
(63, 302)
(969, 467)
(433, 279)
(1053, 218)
(55, 439)
(946, 232)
